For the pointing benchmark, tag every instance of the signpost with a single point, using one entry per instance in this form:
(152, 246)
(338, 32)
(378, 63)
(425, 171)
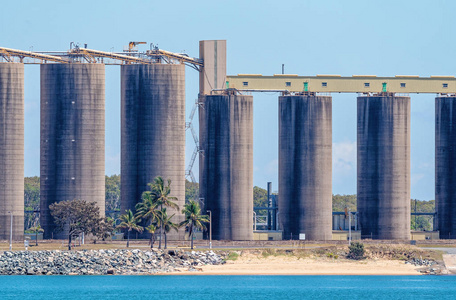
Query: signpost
(302, 237)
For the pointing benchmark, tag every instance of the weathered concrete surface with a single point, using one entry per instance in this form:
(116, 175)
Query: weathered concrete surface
(305, 169)
(11, 150)
(213, 74)
(226, 164)
(153, 133)
(445, 165)
(72, 137)
(384, 167)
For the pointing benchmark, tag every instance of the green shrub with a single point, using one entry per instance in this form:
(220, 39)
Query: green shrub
(232, 256)
(268, 252)
(356, 250)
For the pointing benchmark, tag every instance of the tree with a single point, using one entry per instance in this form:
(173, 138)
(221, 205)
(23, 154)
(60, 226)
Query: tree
(151, 229)
(148, 210)
(31, 201)
(112, 195)
(160, 193)
(75, 217)
(129, 222)
(193, 218)
(36, 230)
(166, 223)
(340, 202)
(356, 250)
(105, 228)
(191, 190)
(260, 197)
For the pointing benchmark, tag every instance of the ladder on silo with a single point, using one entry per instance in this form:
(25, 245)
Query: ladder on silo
(189, 125)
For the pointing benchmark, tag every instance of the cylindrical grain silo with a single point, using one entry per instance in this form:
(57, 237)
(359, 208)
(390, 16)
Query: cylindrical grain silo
(445, 165)
(11, 150)
(72, 137)
(383, 146)
(153, 133)
(226, 179)
(305, 170)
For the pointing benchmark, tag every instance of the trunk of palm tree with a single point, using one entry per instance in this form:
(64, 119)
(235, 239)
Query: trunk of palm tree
(36, 238)
(166, 242)
(191, 236)
(128, 238)
(69, 242)
(152, 240)
(161, 231)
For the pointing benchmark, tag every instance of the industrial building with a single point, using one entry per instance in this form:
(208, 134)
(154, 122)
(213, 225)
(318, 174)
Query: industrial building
(153, 140)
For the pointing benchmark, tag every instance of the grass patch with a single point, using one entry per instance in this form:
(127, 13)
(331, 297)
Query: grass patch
(232, 256)
(269, 252)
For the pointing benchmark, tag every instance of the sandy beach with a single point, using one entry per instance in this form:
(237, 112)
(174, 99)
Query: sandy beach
(288, 265)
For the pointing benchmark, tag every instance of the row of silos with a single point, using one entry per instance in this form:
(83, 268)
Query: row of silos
(305, 143)
(72, 137)
(153, 141)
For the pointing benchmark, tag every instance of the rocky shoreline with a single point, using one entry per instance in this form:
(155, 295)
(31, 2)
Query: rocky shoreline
(106, 262)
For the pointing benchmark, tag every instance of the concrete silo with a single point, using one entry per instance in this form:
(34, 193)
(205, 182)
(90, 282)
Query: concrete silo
(305, 169)
(445, 165)
(153, 132)
(383, 133)
(11, 150)
(226, 177)
(72, 137)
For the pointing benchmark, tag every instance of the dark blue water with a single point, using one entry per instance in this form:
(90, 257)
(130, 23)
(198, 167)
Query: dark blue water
(227, 287)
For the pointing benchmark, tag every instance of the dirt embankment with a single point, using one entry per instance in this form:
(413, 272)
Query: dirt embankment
(380, 259)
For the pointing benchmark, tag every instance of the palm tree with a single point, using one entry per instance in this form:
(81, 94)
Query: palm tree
(151, 229)
(160, 193)
(148, 210)
(36, 229)
(193, 218)
(166, 223)
(129, 222)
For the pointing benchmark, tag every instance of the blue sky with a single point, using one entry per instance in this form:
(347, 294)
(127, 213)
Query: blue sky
(383, 38)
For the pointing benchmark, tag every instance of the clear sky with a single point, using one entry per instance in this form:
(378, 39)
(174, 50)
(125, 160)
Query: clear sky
(382, 38)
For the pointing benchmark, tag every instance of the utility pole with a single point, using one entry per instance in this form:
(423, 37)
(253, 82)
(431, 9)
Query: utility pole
(11, 231)
(349, 227)
(210, 229)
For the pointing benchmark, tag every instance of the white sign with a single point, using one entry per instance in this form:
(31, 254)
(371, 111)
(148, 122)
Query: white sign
(302, 236)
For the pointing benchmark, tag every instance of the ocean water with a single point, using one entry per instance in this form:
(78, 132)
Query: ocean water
(227, 287)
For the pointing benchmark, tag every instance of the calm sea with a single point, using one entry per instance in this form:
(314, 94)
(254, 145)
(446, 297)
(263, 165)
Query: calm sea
(227, 287)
